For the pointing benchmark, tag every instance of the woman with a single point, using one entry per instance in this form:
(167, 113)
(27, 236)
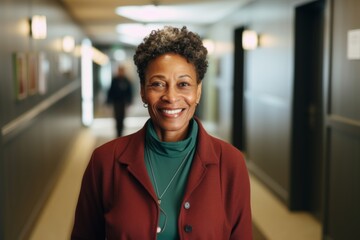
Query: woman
(170, 180)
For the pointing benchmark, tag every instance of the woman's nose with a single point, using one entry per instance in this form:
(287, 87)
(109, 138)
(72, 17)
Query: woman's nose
(170, 95)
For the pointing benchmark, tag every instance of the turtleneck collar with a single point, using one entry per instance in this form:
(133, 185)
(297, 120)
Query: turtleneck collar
(174, 149)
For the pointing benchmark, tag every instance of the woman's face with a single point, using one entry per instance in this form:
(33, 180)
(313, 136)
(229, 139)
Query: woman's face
(172, 92)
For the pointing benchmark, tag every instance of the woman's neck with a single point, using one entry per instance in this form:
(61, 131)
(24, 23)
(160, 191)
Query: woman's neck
(171, 136)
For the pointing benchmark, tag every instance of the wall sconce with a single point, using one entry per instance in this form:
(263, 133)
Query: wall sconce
(68, 44)
(38, 28)
(209, 45)
(250, 40)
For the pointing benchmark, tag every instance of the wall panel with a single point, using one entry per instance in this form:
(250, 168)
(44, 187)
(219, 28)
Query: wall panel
(344, 187)
(342, 119)
(268, 91)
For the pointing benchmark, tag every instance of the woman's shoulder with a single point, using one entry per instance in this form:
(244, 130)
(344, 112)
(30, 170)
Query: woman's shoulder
(231, 160)
(110, 150)
(112, 144)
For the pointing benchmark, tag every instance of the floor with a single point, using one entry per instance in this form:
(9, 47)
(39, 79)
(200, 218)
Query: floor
(272, 221)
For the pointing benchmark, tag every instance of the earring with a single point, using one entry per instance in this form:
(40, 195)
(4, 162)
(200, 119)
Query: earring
(145, 105)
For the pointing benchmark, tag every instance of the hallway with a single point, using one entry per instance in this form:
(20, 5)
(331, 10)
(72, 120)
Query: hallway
(272, 220)
(290, 102)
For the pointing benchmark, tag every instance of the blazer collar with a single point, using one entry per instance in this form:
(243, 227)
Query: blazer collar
(206, 150)
(133, 153)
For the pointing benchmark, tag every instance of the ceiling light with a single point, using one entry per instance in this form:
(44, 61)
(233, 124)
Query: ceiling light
(38, 27)
(99, 57)
(136, 30)
(250, 40)
(68, 43)
(134, 33)
(148, 13)
(209, 45)
(184, 13)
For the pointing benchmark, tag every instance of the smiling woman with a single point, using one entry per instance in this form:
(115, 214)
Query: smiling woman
(171, 179)
(172, 92)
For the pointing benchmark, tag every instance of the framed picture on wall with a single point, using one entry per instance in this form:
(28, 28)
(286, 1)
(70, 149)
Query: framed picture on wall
(20, 75)
(33, 73)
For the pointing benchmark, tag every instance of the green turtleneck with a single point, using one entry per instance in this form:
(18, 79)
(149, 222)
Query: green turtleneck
(166, 158)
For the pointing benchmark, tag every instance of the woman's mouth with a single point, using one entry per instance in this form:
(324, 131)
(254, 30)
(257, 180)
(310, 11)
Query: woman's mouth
(171, 112)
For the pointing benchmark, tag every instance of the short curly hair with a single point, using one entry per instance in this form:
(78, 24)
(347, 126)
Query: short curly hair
(171, 40)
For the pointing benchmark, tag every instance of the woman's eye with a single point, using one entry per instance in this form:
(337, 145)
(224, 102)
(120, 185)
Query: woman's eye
(156, 84)
(184, 84)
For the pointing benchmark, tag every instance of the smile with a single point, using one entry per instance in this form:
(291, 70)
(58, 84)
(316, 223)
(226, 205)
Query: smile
(172, 111)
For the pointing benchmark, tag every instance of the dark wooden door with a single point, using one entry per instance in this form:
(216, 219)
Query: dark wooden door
(307, 123)
(238, 131)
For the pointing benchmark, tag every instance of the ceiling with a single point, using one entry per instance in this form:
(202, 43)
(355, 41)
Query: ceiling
(99, 19)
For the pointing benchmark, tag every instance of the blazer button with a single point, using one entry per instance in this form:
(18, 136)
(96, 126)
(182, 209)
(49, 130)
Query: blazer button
(186, 205)
(188, 228)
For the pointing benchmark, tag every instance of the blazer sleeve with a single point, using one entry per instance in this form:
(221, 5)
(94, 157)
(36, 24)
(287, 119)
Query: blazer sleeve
(89, 218)
(241, 206)
(243, 226)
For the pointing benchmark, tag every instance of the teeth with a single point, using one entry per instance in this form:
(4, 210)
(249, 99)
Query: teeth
(172, 111)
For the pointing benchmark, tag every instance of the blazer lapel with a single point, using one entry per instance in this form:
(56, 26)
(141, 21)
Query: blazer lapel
(133, 157)
(205, 155)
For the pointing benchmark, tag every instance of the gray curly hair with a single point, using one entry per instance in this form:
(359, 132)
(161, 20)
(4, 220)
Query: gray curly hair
(171, 40)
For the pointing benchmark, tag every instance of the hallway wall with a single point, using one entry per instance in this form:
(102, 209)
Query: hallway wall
(269, 76)
(37, 127)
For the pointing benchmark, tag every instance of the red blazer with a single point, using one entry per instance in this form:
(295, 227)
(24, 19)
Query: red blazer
(117, 199)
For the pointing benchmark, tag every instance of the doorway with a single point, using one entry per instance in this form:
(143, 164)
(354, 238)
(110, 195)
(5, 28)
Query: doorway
(306, 188)
(238, 122)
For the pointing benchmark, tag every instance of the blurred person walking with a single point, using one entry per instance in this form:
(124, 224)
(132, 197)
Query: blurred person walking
(120, 95)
